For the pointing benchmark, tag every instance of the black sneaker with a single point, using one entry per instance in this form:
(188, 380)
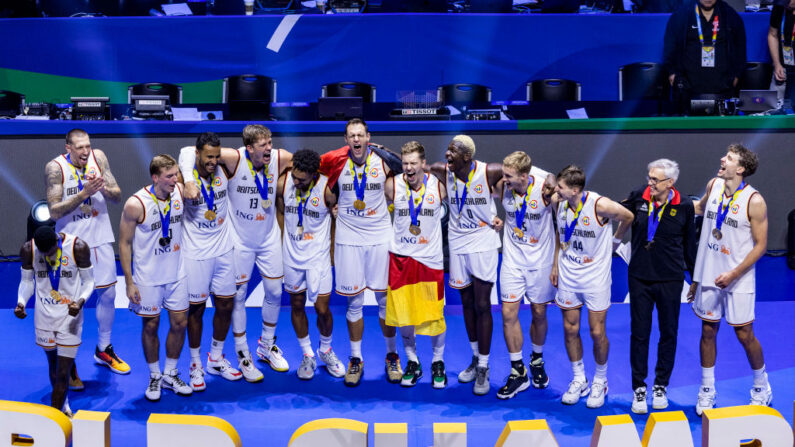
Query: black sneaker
(517, 382)
(412, 375)
(438, 375)
(540, 378)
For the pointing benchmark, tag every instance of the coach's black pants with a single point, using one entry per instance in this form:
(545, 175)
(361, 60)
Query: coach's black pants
(643, 296)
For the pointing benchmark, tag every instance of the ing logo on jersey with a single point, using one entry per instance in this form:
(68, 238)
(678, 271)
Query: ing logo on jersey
(479, 189)
(315, 201)
(586, 221)
(374, 172)
(217, 182)
(735, 208)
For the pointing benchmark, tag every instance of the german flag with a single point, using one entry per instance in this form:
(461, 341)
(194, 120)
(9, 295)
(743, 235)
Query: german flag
(415, 296)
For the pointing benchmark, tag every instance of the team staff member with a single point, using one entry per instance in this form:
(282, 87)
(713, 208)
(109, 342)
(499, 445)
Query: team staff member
(79, 185)
(780, 43)
(663, 246)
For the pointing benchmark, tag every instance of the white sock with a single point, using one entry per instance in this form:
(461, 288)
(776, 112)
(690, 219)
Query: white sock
(474, 346)
(216, 349)
(578, 369)
(268, 333)
(483, 360)
(601, 373)
(196, 355)
(325, 343)
(241, 344)
(391, 344)
(154, 367)
(708, 377)
(437, 341)
(411, 353)
(538, 349)
(515, 356)
(356, 349)
(306, 346)
(760, 377)
(171, 365)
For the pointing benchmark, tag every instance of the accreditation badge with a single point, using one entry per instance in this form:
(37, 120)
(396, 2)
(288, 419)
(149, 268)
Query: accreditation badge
(789, 57)
(708, 56)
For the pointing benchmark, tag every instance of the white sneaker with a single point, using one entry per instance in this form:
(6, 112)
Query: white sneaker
(598, 393)
(639, 405)
(66, 410)
(222, 367)
(333, 364)
(272, 355)
(706, 399)
(307, 368)
(197, 377)
(469, 374)
(152, 392)
(577, 389)
(172, 381)
(247, 367)
(761, 396)
(659, 397)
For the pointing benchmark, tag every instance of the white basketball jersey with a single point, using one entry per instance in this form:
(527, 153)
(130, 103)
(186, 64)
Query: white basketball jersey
(204, 238)
(50, 313)
(154, 264)
(254, 227)
(535, 248)
(370, 226)
(302, 249)
(719, 256)
(470, 231)
(93, 227)
(425, 247)
(585, 265)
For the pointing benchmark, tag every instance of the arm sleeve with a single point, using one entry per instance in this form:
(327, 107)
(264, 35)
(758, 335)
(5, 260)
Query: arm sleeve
(86, 283)
(187, 160)
(26, 287)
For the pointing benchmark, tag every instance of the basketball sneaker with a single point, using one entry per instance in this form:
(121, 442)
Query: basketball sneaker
(438, 375)
(272, 355)
(639, 405)
(394, 373)
(333, 364)
(469, 374)
(197, 377)
(761, 396)
(598, 393)
(152, 392)
(75, 384)
(247, 367)
(659, 397)
(222, 367)
(412, 375)
(706, 399)
(306, 370)
(355, 370)
(517, 381)
(481, 387)
(577, 389)
(111, 360)
(539, 374)
(172, 381)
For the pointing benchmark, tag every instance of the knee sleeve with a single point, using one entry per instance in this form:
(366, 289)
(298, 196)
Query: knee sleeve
(67, 351)
(355, 304)
(380, 297)
(239, 312)
(272, 303)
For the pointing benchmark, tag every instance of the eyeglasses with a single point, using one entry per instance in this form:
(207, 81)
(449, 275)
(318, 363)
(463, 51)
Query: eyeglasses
(654, 181)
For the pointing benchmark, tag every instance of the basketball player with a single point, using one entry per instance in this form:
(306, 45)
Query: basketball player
(415, 298)
(56, 267)
(79, 185)
(254, 169)
(208, 257)
(305, 200)
(733, 238)
(527, 257)
(473, 235)
(150, 234)
(583, 275)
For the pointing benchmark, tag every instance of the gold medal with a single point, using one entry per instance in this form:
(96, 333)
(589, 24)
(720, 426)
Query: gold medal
(359, 204)
(518, 232)
(266, 204)
(85, 208)
(564, 245)
(209, 215)
(300, 231)
(718, 235)
(55, 295)
(415, 230)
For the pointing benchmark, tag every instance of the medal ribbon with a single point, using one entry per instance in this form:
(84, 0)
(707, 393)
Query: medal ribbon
(55, 276)
(263, 192)
(715, 23)
(359, 188)
(520, 213)
(655, 217)
(570, 227)
(466, 188)
(164, 220)
(414, 208)
(720, 215)
(79, 176)
(208, 198)
(301, 201)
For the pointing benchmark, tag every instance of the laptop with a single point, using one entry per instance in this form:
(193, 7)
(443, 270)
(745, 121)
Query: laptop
(757, 100)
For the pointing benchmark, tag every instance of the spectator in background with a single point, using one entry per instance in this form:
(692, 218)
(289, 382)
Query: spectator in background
(704, 49)
(779, 41)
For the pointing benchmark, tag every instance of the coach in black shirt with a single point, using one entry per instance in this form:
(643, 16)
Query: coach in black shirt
(663, 246)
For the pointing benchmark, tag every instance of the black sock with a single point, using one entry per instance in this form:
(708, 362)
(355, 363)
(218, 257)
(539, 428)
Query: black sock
(536, 355)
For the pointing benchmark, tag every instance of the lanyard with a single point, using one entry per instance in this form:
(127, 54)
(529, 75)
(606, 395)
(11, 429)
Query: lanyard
(792, 39)
(720, 216)
(415, 208)
(715, 23)
(55, 276)
(655, 217)
(79, 176)
(263, 192)
(520, 213)
(209, 198)
(359, 188)
(164, 220)
(302, 201)
(466, 188)
(570, 227)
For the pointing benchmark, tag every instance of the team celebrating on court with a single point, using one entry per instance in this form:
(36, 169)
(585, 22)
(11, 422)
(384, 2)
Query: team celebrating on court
(206, 220)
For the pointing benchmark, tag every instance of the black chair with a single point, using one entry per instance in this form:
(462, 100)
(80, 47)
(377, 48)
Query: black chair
(173, 91)
(554, 90)
(349, 89)
(249, 96)
(757, 76)
(463, 94)
(641, 80)
(490, 6)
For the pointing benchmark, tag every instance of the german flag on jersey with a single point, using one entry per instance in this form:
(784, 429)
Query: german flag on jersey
(415, 296)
